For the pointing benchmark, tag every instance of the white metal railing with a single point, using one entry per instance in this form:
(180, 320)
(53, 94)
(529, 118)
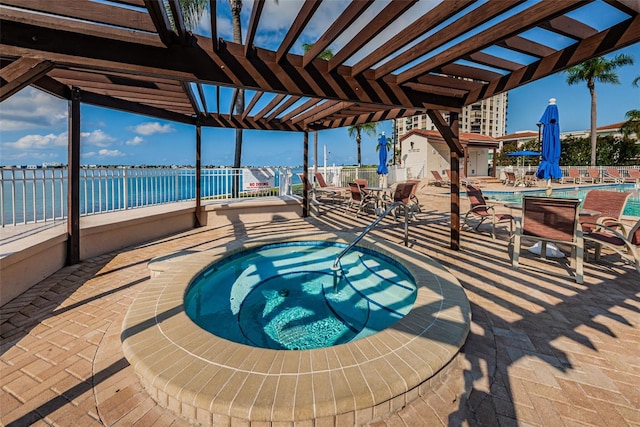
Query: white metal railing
(520, 170)
(39, 195)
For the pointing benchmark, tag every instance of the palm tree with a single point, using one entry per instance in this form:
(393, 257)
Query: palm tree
(192, 11)
(596, 69)
(632, 125)
(326, 54)
(357, 130)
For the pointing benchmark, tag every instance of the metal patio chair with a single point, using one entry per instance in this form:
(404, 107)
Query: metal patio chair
(551, 220)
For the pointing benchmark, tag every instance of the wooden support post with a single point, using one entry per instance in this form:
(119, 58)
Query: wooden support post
(451, 134)
(455, 184)
(73, 180)
(305, 176)
(198, 173)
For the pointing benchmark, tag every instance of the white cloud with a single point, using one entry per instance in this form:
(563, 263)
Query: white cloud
(39, 142)
(136, 140)
(110, 153)
(151, 128)
(97, 138)
(32, 109)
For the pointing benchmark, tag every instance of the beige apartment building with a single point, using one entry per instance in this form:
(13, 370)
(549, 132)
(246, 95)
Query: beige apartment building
(487, 117)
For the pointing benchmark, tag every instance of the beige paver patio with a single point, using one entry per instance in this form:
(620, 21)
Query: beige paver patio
(542, 350)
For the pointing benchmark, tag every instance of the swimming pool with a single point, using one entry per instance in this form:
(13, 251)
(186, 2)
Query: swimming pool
(632, 208)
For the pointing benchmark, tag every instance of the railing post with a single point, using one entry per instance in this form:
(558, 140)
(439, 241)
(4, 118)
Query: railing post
(125, 188)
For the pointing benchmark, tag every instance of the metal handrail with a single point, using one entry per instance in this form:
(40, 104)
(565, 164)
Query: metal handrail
(372, 225)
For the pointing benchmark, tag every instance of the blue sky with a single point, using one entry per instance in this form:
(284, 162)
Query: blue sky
(33, 125)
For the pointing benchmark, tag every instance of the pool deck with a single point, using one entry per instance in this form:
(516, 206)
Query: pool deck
(542, 350)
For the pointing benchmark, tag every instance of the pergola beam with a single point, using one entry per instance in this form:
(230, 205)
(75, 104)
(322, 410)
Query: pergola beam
(529, 18)
(302, 19)
(346, 18)
(21, 73)
(253, 25)
(464, 24)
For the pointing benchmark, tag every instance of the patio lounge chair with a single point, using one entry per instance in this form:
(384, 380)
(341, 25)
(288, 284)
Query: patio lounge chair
(335, 191)
(550, 219)
(593, 175)
(627, 245)
(439, 180)
(573, 175)
(483, 211)
(612, 175)
(610, 204)
(529, 179)
(358, 197)
(634, 174)
(511, 179)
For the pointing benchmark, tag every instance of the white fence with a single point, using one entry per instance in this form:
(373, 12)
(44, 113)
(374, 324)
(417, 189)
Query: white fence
(39, 195)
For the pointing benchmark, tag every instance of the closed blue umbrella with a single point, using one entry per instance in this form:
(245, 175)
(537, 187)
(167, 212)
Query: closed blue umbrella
(550, 165)
(382, 157)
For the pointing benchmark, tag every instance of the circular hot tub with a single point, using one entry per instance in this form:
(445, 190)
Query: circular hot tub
(213, 379)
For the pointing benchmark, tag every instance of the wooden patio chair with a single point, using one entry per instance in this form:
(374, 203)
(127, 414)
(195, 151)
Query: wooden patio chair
(550, 220)
(573, 175)
(439, 180)
(610, 204)
(358, 197)
(627, 245)
(482, 211)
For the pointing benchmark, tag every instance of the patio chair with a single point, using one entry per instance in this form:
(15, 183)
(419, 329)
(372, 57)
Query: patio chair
(482, 211)
(358, 197)
(573, 175)
(551, 220)
(332, 190)
(610, 204)
(439, 180)
(402, 193)
(511, 179)
(413, 197)
(634, 174)
(363, 183)
(627, 245)
(593, 175)
(529, 179)
(612, 175)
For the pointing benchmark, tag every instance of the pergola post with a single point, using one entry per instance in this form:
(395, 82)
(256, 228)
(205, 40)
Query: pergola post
(305, 176)
(451, 134)
(73, 180)
(455, 184)
(198, 173)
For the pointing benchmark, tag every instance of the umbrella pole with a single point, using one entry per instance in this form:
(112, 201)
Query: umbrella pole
(549, 189)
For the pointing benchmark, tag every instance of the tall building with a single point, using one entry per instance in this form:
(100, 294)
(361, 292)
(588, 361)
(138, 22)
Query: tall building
(486, 117)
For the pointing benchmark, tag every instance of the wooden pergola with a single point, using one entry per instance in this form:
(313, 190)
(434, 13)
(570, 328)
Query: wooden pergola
(137, 56)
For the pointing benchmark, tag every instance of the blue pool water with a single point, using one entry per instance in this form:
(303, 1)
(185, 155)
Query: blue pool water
(286, 296)
(632, 208)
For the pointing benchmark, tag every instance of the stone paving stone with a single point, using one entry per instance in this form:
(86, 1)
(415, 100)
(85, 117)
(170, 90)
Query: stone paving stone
(542, 350)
